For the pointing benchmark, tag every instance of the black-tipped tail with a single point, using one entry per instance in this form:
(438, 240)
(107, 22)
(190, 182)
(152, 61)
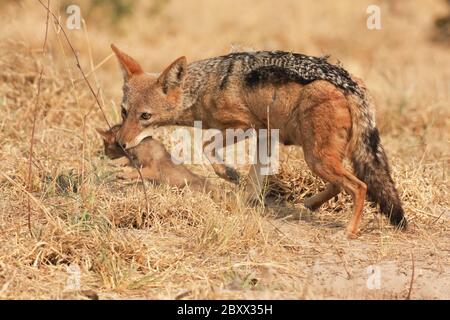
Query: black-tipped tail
(371, 166)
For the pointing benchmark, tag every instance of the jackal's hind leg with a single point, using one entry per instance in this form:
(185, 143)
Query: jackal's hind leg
(357, 189)
(313, 203)
(325, 126)
(333, 171)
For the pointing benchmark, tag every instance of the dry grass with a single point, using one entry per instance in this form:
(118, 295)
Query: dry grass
(187, 245)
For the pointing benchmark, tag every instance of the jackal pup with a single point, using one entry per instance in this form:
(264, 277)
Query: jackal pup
(155, 162)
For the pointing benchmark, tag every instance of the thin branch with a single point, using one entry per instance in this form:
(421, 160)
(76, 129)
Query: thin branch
(77, 60)
(95, 68)
(95, 95)
(408, 297)
(33, 128)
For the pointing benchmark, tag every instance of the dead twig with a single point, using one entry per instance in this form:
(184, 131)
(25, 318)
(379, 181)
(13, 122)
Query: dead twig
(408, 297)
(78, 64)
(33, 127)
(95, 68)
(77, 59)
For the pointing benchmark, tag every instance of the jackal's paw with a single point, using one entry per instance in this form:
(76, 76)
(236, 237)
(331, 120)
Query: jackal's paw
(232, 175)
(352, 234)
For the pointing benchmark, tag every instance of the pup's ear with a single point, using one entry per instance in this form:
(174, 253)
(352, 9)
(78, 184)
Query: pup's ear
(172, 77)
(107, 136)
(128, 65)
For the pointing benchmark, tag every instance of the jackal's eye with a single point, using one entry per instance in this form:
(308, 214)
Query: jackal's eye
(145, 116)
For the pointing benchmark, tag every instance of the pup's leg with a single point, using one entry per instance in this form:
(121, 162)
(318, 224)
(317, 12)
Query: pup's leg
(149, 173)
(131, 175)
(120, 162)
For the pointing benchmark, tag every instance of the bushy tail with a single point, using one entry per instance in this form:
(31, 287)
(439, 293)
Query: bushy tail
(371, 165)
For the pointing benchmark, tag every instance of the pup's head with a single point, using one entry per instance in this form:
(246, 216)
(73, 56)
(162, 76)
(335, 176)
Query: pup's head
(112, 149)
(148, 99)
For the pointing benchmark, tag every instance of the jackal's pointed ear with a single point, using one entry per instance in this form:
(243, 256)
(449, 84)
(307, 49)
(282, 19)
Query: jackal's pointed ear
(128, 65)
(107, 136)
(172, 77)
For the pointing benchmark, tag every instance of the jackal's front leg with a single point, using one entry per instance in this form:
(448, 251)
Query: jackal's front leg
(222, 170)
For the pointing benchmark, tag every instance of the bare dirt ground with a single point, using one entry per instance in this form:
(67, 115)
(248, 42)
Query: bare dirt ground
(92, 230)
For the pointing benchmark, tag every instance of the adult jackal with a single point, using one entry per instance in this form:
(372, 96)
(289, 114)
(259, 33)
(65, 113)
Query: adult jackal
(313, 103)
